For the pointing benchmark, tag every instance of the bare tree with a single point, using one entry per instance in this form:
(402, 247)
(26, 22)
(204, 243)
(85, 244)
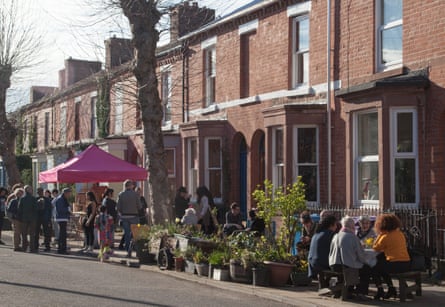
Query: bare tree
(19, 47)
(144, 16)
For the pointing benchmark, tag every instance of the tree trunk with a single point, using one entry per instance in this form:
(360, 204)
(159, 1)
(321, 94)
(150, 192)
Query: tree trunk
(7, 131)
(143, 16)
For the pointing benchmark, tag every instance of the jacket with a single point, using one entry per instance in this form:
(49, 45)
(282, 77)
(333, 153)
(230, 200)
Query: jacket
(27, 208)
(393, 244)
(346, 249)
(128, 203)
(62, 209)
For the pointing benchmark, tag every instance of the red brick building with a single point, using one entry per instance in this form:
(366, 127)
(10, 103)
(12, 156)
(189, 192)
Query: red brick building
(249, 97)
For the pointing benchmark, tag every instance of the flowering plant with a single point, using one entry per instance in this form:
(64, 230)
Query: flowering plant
(369, 242)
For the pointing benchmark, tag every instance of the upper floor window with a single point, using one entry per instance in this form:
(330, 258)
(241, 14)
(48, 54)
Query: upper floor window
(77, 120)
(119, 110)
(63, 124)
(46, 136)
(166, 93)
(210, 75)
(366, 158)
(389, 26)
(300, 50)
(93, 124)
(404, 156)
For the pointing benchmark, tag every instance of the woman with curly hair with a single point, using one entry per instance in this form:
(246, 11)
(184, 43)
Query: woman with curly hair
(393, 257)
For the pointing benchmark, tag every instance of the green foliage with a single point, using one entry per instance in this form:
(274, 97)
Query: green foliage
(190, 252)
(288, 202)
(26, 176)
(219, 257)
(200, 257)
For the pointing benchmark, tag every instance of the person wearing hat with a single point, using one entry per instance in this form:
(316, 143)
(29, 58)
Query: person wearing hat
(62, 217)
(182, 200)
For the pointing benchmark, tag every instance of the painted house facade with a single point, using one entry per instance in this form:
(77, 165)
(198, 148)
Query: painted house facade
(248, 97)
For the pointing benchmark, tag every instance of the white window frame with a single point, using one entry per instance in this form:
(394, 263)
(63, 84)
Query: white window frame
(296, 52)
(379, 28)
(166, 101)
(210, 74)
(370, 158)
(208, 168)
(296, 165)
(63, 123)
(191, 166)
(407, 155)
(275, 166)
(118, 110)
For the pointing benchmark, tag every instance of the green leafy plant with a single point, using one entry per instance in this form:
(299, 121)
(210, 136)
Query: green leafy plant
(219, 258)
(200, 257)
(190, 252)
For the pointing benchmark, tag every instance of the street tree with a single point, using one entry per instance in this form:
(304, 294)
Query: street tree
(143, 17)
(20, 44)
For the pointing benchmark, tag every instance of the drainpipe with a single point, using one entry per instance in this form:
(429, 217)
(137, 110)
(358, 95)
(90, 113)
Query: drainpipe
(328, 96)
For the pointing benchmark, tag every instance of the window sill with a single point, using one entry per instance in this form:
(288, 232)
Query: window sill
(301, 90)
(210, 109)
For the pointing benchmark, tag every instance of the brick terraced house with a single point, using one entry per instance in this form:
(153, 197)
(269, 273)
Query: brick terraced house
(356, 106)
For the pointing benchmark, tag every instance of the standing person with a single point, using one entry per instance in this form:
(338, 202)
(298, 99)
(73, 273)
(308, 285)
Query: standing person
(128, 206)
(12, 213)
(55, 194)
(62, 217)
(182, 201)
(144, 207)
(27, 212)
(3, 196)
(88, 221)
(394, 257)
(104, 224)
(43, 219)
(110, 204)
(205, 201)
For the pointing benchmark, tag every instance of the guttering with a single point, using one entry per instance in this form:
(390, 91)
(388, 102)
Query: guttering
(328, 96)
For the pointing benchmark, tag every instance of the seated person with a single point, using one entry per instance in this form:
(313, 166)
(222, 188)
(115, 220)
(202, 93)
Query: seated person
(233, 220)
(347, 254)
(308, 230)
(393, 257)
(189, 217)
(318, 257)
(365, 229)
(257, 224)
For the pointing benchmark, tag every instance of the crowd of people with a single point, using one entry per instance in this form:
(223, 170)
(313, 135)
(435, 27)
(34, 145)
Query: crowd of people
(363, 253)
(48, 213)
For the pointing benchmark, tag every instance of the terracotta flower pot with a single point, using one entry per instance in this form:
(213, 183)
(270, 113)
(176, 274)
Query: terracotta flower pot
(278, 272)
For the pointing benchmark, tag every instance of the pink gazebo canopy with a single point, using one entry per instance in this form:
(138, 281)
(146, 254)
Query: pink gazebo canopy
(93, 165)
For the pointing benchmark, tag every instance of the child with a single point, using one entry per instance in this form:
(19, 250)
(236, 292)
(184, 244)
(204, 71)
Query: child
(104, 224)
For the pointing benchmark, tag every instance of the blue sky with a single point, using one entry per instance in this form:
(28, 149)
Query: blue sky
(78, 28)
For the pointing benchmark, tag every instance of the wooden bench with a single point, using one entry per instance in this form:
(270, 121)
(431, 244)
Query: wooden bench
(324, 278)
(404, 289)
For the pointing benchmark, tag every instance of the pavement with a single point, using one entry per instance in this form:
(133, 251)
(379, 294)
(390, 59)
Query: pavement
(290, 295)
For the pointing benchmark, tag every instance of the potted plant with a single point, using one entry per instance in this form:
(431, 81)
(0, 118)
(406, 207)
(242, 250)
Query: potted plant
(240, 247)
(287, 202)
(299, 275)
(179, 260)
(188, 257)
(141, 240)
(218, 261)
(201, 263)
